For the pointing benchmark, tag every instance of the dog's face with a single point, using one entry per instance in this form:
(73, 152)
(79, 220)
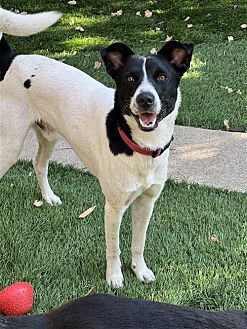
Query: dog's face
(147, 86)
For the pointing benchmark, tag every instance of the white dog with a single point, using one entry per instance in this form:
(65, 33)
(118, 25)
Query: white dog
(122, 136)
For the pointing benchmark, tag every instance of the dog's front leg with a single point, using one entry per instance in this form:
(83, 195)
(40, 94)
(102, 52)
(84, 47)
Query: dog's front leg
(113, 218)
(142, 209)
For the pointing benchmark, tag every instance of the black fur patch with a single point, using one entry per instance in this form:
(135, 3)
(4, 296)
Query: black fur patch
(40, 124)
(6, 57)
(27, 83)
(116, 144)
(112, 312)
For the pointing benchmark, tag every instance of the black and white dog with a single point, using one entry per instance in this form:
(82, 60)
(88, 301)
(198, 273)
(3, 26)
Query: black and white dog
(122, 136)
(111, 312)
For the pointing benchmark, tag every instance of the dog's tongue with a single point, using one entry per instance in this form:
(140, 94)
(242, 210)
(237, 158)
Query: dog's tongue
(148, 118)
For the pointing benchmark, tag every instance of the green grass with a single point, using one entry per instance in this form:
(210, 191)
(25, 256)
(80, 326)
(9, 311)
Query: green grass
(216, 61)
(64, 256)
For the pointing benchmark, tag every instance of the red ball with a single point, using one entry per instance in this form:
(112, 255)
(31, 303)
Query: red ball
(16, 299)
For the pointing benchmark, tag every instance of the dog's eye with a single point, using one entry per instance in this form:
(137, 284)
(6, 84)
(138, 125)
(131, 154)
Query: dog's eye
(162, 77)
(130, 78)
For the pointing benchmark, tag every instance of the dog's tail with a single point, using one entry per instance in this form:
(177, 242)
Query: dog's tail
(24, 25)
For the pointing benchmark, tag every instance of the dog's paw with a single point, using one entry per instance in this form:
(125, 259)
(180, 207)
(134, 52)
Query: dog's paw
(115, 281)
(52, 199)
(143, 273)
(115, 278)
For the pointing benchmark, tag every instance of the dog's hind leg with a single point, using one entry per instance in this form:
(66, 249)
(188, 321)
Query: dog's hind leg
(142, 209)
(47, 139)
(11, 141)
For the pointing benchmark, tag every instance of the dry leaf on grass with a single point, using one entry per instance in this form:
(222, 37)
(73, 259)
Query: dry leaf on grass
(228, 89)
(157, 28)
(87, 212)
(11, 185)
(138, 13)
(79, 28)
(153, 51)
(30, 174)
(71, 22)
(117, 13)
(148, 13)
(243, 26)
(230, 38)
(72, 2)
(97, 65)
(38, 203)
(189, 26)
(226, 124)
(239, 92)
(168, 38)
(214, 239)
(187, 18)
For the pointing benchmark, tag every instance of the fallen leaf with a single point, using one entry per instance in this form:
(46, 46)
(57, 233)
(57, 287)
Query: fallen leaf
(97, 65)
(153, 51)
(226, 124)
(79, 28)
(239, 92)
(157, 28)
(189, 25)
(148, 13)
(230, 38)
(87, 212)
(72, 2)
(17, 11)
(138, 13)
(228, 89)
(168, 38)
(214, 239)
(243, 26)
(71, 22)
(187, 18)
(11, 185)
(117, 13)
(23, 13)
(30, 174)
(38, 203)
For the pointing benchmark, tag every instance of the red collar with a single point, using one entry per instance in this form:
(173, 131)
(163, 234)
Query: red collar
(145, 151)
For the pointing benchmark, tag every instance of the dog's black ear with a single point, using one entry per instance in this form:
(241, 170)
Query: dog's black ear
(179, 54)
(115, 56)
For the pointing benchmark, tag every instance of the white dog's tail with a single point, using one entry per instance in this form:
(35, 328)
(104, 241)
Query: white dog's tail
(24, 25)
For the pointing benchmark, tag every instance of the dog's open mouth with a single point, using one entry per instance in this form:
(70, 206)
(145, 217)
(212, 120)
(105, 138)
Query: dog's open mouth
(147, 121)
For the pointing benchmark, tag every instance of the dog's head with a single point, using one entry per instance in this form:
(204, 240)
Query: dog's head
(147, 86)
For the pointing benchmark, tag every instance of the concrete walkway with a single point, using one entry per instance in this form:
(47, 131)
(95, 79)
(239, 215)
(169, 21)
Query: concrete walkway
(208, 157)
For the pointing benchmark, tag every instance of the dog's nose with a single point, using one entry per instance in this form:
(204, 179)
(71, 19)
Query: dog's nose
(145, 100)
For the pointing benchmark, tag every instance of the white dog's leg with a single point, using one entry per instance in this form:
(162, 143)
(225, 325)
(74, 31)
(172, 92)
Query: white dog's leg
(47, 140)
(113, 218)
(142, 209)
(11, 142)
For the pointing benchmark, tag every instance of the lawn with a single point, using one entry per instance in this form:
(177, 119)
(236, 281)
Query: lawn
(63, 256)
(217, 62)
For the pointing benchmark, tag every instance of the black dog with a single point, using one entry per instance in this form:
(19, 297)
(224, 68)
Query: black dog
(108, 312)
